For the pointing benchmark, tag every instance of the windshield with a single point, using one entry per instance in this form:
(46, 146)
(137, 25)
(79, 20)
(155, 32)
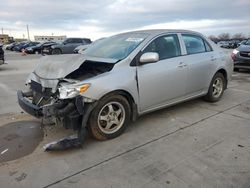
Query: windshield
(116, 47)
(247, 42)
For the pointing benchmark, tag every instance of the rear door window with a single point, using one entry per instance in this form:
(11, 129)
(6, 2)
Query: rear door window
(166, 46)
(208, 47)
(194, 44)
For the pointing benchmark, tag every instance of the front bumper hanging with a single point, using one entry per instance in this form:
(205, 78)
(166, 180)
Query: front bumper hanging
(75, 114)
(27, 106)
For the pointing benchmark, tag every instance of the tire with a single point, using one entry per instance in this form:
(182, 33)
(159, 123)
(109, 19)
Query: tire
(102, 117)
(56, 51)
(216, 88)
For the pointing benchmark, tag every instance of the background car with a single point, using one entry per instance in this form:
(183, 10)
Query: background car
(234, 43)
(223, 44)
(17, 45)
(10, 46)
(242, 42)
(80, 49)
(38, 48)
(1, 55)
(6, 47)
(241, 56)
(67, 46)
(25, 45)
(46, 48)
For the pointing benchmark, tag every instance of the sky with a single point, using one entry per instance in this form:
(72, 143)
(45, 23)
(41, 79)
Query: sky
(101, 18)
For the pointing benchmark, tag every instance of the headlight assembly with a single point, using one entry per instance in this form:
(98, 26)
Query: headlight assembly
(71, 91)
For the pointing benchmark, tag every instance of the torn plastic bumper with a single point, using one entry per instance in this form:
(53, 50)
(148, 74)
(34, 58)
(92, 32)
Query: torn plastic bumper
(68, 142)
(72, 113)
(27, 106)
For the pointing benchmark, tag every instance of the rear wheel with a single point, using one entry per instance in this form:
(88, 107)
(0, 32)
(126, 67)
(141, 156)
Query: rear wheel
(216, 88)
(110, 117)
(56, 51)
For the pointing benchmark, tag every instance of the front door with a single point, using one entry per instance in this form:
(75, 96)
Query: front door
(163, 81)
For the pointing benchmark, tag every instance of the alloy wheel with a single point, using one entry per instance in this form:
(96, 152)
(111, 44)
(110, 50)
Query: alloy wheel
(111, 117)
(217, 87)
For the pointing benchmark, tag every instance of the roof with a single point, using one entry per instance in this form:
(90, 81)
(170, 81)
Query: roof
(161, 31)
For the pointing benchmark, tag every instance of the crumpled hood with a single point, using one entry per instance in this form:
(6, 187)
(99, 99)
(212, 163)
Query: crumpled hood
(244, 48)
(58, 66)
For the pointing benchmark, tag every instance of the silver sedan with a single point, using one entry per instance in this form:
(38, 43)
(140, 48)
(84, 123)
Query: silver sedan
(125, 76)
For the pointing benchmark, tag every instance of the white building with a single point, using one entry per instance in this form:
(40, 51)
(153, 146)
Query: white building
(50, 38)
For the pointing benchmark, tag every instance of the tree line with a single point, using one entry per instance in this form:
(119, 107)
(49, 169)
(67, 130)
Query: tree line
(227, 36)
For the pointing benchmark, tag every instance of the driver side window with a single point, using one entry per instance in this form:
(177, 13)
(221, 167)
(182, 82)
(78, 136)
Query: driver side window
(166, 46)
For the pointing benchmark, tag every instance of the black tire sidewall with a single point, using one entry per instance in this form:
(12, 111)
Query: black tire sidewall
(96, 132)
(58, 51)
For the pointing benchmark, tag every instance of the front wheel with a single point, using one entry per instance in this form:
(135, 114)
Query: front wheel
(110, 117)
(216, 88)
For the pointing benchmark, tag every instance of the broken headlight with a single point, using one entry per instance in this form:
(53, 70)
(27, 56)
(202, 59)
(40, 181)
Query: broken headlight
(71, 91)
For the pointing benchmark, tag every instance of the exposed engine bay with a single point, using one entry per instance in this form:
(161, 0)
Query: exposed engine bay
(89, 69)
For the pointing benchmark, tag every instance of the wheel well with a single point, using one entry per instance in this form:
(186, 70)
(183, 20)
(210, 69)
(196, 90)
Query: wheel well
(224, 73)
(129, 98)
(58, 49)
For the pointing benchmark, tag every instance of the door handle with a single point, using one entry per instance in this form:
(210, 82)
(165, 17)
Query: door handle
(181, 65)
(213, 58)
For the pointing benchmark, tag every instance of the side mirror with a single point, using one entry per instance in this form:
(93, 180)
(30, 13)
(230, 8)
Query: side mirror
(149, 57)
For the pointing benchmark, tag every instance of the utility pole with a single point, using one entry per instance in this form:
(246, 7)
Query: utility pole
(28, 32)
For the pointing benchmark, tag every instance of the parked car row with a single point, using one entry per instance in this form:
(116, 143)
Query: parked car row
(39, 48)
(68, 46)
(231, 44)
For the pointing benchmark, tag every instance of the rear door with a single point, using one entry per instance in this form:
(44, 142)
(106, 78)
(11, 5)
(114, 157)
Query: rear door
(163, 81)
(199, 59)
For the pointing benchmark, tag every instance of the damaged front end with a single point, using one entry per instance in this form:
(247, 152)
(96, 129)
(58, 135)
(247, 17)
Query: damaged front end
(51, 108)
(55, 94)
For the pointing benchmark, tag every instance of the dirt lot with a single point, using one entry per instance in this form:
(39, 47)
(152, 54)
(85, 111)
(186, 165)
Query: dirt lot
(195, 144)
